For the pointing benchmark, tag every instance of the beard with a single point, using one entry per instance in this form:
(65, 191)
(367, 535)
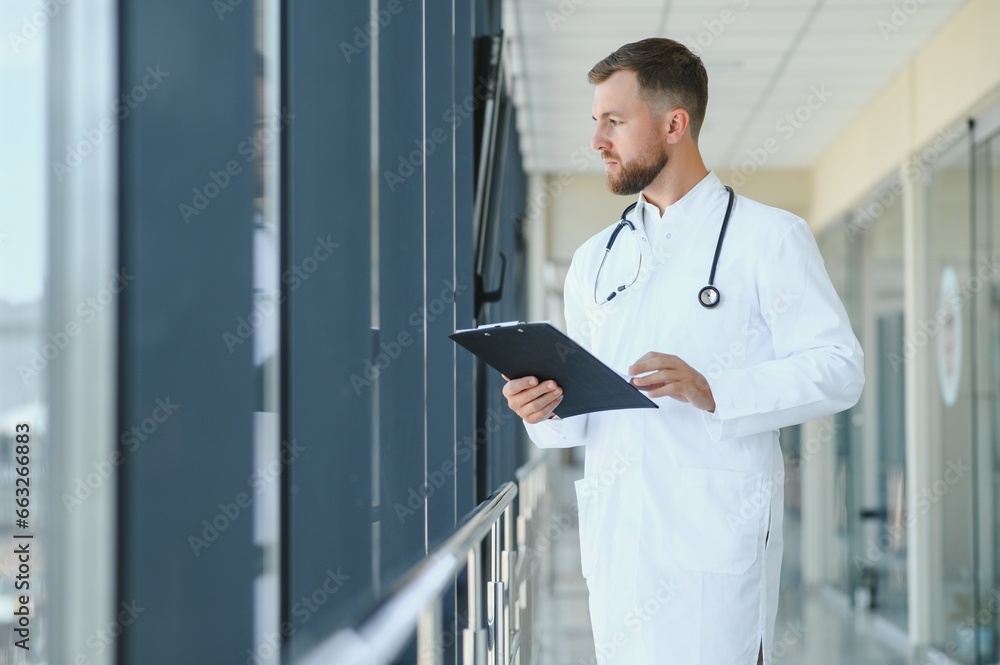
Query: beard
(637, 174)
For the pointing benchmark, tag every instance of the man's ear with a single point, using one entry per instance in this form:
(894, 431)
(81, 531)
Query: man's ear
(676, 122)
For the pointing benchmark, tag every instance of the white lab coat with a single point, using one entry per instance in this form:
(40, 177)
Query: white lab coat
(676, 503)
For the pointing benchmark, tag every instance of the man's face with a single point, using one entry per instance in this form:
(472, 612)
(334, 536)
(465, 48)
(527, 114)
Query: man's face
(627, 135)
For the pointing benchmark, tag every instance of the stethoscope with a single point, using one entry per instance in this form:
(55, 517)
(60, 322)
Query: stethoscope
(709, 295)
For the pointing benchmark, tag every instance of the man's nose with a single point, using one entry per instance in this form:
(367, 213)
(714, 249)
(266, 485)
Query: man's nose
(598, 141)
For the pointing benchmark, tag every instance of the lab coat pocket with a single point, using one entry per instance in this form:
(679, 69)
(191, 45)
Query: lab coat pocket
(586, 499)
(718, 520)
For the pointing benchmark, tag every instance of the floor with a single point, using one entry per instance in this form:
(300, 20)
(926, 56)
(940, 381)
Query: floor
(814, 627)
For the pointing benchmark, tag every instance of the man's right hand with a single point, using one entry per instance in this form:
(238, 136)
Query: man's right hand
(532, 401)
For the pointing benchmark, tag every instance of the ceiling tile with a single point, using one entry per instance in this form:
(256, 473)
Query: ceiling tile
(764, 59)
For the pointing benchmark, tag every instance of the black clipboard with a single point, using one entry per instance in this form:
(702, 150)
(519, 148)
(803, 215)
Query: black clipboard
(539, 349)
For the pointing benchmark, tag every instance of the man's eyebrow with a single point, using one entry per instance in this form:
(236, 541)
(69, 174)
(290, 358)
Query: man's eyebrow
(606, 114)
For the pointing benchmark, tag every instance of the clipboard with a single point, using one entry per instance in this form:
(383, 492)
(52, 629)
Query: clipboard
(517, 349)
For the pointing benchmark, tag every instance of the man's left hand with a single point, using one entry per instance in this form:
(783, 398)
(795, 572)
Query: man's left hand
(672, 377)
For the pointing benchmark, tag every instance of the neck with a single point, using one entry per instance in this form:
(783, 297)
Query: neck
(683, 171)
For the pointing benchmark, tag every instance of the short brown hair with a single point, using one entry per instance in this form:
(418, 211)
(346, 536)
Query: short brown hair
(668, 73)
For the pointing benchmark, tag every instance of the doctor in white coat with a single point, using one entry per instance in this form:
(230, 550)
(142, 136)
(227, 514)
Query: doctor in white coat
(680, 507)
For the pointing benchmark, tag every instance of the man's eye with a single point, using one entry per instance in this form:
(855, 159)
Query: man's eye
(615, 123)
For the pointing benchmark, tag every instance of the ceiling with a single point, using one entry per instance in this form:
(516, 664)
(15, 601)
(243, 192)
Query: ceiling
(767, 60)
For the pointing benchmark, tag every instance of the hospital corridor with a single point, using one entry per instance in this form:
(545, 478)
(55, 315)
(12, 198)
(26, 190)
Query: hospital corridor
(814, 625)
(500, 332)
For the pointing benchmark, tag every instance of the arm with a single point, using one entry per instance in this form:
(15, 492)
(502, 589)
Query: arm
(818, 365)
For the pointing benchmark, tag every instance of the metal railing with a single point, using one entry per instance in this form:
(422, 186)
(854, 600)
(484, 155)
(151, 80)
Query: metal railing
(415, 605)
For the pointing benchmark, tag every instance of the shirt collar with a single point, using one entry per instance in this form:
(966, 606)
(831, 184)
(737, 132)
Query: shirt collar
(647, 210)
(702, 194)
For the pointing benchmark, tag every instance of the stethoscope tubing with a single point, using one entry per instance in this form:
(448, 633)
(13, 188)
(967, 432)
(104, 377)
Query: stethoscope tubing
(709, 295)
(722, 236)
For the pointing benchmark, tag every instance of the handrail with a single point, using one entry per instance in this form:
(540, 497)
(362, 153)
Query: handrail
(414, 603)
(386, 629)
(477, 523)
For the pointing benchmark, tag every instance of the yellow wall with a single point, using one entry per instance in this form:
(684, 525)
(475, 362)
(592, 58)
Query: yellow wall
(956, 75)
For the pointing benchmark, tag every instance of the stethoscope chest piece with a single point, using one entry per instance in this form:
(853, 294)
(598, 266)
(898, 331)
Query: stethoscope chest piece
(709, 296)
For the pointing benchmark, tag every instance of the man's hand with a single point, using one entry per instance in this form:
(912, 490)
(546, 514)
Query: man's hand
(672, 377)
(533, 402)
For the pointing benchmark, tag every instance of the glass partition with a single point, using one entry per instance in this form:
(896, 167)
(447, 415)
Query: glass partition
(983, 627)
(880, 550)
(948, 503)
(864, 258)
(842, 256)
(990, 447)
(59, 283)
(25, 353)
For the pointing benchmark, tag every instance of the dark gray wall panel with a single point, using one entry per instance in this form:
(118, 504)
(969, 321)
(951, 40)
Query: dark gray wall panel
(192, 281)
(443, 281)
(465, 476)
(327, 506)
(402, 301)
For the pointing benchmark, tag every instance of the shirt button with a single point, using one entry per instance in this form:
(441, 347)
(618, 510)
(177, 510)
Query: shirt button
(668, 236)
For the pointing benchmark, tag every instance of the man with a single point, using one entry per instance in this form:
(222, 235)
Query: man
(680, 507)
